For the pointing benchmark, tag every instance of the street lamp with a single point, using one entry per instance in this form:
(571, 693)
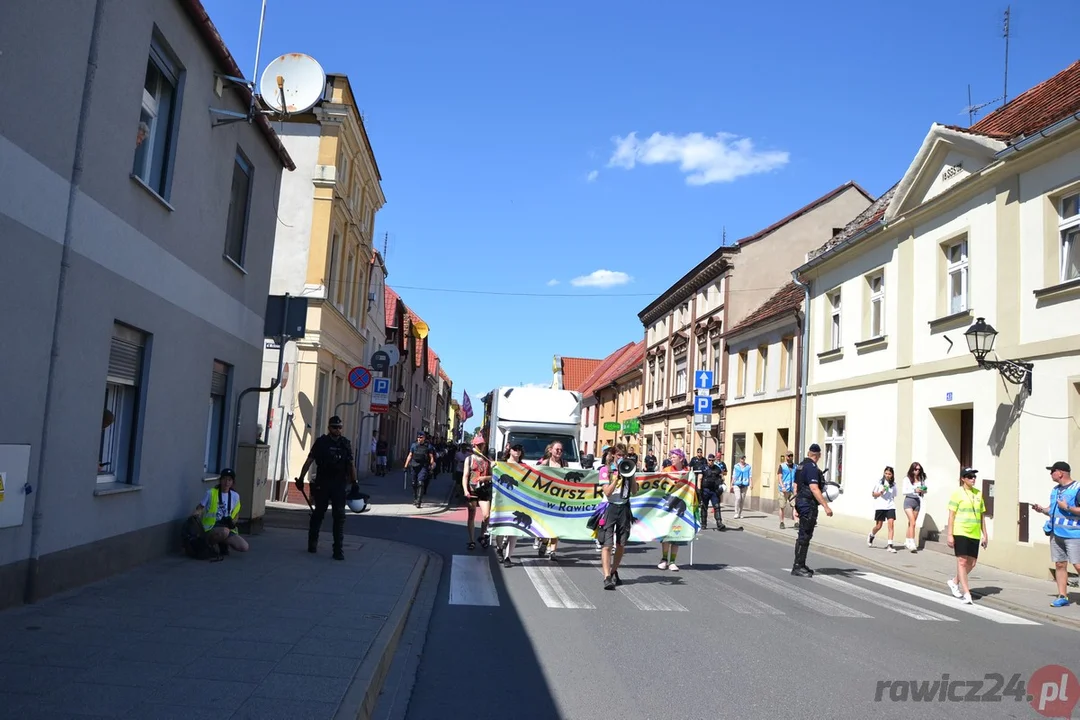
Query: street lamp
(399, 396)
(980, 339)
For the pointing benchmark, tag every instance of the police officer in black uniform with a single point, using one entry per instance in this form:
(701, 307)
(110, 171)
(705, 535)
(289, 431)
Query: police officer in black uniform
(808, 496)
(333, 454)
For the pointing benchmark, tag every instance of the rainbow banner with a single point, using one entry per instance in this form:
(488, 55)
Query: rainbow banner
(552, 502)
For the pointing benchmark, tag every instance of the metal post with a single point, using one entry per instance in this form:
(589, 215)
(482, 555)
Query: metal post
(255, 73)
(239, 400)
(280, 365)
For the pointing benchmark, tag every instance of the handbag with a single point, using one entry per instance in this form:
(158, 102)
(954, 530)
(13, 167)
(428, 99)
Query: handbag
(596, 519)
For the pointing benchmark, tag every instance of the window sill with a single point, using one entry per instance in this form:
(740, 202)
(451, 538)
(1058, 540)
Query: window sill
(115, 488)
(830, 355)
(139, 181)
(761, 393)
(952, 321)
(873, 344)
(235, 264)
(1062, 291)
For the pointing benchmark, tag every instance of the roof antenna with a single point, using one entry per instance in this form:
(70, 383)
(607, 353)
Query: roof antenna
(385, 242)
(1005, 33)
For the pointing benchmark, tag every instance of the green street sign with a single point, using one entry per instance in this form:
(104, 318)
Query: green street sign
(631, 427)
(612, 426)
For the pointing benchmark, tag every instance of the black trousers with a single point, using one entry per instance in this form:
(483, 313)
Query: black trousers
(808, 511)
(323, 496)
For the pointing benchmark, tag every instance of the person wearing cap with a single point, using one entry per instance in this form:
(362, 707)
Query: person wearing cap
(709, 492)
(966, 531)
(333, 456)
(421, 462)
(808, 498)
(1063, 527)
(650, 461)
(218, 511)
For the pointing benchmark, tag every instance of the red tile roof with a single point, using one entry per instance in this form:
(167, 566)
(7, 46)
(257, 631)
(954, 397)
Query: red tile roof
(390, 300)
(414, 319)
(863, 220)
(786, 300)
(803, 210)
(632, 358)
(603, 371)
(432, 361)
(444, 376)
(1041, 106)
(575, 371)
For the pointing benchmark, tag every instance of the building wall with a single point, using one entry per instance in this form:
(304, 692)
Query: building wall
(154, 263)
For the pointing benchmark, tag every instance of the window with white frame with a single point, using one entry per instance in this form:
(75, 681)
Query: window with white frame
(239, 209)
(153, 141)
(716, 358)
(787, 359)
(1069, 227)
(703, 357)
(762, 369)
(345, 301)
(322, 399)
(876, 283)
(651, 387)
(215, 420)
(956, 258)
(835, 338)
(120, 421)
(680, 375)
(834, 448)
(741, 375)
(661, 379)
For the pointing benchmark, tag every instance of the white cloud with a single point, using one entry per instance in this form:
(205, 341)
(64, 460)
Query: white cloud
(593, 174)
(721, 158)
(552, 282)
(601, 279)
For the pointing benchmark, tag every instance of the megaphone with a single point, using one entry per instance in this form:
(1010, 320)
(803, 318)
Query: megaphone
(627, 468)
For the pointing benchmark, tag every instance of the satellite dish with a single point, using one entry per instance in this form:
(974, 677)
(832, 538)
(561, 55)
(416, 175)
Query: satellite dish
(292, 83)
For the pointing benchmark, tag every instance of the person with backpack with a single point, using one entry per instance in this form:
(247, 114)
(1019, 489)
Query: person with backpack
(421, 462)
(217, 512)
(333, 455)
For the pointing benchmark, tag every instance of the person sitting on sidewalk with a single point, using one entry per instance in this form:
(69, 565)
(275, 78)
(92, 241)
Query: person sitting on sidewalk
(218, 511)
(1063, 527)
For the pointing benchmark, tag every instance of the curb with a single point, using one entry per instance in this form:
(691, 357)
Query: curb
(921, 581)
(360, 699)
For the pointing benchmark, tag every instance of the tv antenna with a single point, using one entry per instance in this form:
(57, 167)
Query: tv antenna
(292, 83)
(973, 110)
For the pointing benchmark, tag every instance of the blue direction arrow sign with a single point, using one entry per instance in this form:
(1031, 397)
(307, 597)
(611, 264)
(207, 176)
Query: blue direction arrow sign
(702, 405)
(703, 379)
(359, 377)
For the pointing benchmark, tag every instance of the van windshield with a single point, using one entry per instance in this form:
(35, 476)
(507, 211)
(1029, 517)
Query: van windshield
(536, 442)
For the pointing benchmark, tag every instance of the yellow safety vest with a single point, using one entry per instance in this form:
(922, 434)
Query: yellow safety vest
(209, 518)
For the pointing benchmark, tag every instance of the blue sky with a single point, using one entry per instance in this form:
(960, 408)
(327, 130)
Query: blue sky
(525, 143)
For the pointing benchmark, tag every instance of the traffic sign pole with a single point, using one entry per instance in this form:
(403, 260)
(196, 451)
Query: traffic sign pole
(280, 363)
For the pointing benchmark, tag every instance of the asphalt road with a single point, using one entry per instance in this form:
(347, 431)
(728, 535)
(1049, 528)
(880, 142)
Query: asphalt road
(734, 635)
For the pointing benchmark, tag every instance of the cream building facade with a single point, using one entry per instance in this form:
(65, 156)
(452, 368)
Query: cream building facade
(984, 224)
(762, 409)
(323, 252)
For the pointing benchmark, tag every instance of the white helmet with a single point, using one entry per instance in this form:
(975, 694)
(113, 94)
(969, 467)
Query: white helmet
(356, 500)
(831, 491)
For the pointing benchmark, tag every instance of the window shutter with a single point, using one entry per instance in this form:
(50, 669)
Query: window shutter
(125, 362)
(219, 383)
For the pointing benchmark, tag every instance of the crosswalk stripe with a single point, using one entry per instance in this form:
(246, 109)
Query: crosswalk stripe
(889, 603)
(471, 582)
(731, 598)
(555, 587)
(942, 599)
(642, 596)
(815, 602)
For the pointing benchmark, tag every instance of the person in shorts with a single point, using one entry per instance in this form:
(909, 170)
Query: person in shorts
(614, 532)
(884, 494)
(1063, 527)
(966, 532)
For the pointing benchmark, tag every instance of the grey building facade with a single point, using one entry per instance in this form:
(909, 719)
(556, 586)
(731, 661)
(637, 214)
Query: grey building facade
(135, 251)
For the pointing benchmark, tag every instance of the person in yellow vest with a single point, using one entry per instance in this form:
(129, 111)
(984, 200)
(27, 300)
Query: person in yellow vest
(218, 510)
(966, 532)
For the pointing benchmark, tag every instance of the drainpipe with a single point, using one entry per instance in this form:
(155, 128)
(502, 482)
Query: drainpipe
(804, 366)
(30, 589)
(1038, 137)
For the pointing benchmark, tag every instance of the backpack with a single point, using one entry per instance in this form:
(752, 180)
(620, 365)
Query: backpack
(193, 539)
(421, 456)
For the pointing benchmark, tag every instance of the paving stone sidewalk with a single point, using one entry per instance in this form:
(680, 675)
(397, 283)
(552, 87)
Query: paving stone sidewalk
(273, 633)
(928, 568)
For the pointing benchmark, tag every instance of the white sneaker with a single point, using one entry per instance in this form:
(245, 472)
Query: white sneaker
(869, 541)
(663, 565)
(890, 548)
(673, 567)
(967, 599)
(954, 588)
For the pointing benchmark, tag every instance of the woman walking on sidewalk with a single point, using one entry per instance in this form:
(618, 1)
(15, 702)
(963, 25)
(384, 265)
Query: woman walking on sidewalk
(914, 489)
(476, 483)
(966, 532)
(884, 507)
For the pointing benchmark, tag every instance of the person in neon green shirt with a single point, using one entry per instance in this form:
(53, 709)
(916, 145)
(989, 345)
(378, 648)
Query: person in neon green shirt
(966, 532)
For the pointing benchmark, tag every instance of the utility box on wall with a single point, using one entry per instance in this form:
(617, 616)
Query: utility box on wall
(988, 496)
(14, 468)
(252, 468)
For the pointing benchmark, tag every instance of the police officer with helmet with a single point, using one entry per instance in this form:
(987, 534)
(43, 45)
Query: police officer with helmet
(809, 483)
(334, 456)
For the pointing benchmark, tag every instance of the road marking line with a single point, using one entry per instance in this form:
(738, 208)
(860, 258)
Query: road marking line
(889, 603)
(732, 598)
(644, 598)
(820, 604)
(554, 586)
(948, 600)
(471, 582)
